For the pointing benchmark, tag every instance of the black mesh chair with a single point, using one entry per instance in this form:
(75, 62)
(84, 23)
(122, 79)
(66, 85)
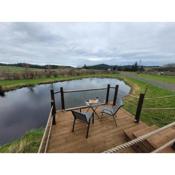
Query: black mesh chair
(85, 117)
(111, 111)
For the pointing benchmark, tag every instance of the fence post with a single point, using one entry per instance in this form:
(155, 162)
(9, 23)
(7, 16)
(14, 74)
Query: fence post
(115, 94)
(107, 94)
(53, 104)
(62, 98)
(139, 107)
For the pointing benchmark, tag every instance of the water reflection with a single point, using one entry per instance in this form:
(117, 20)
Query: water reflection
(28, 108)
(2, 94)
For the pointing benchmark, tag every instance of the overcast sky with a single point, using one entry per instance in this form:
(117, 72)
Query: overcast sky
(77, 44)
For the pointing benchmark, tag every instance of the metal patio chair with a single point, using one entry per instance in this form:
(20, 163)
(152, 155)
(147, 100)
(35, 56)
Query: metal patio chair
(111, 111)
(85, 117)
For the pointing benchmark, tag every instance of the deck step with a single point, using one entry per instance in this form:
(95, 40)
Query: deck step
(144, 146)
(152, 142)
(129, 132)
(161, 138)
(168, 149)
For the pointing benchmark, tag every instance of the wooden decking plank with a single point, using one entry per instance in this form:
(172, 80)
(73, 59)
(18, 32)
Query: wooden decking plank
(102, 135)
(161, 138)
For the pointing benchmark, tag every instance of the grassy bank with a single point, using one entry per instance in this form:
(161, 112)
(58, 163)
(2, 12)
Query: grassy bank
(29, 143)
(14, 84)
(157, 117)
(162, 78)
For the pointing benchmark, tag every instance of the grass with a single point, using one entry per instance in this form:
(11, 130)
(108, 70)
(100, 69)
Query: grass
(152, 117)
(29, 143)
(163, 78)
(14, 84)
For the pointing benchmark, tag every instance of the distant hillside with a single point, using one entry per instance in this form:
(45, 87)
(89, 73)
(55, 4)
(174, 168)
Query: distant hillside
(169, 65)
(99, 67)
(24, 65)
(133, 67)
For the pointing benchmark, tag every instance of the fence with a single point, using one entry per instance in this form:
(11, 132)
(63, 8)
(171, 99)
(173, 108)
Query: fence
(45, 139)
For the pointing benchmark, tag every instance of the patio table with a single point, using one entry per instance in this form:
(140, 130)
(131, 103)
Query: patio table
(94, 104)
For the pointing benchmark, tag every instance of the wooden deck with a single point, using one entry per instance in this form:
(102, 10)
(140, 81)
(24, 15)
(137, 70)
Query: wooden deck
(103, 134)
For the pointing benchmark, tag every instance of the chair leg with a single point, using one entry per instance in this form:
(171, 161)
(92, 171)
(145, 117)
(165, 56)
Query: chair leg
(93, 118)
(87, 132)
(73, 125)
(102, 114)
(114, 120)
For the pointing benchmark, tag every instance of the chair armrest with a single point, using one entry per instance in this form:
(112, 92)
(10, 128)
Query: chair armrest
(107, 111)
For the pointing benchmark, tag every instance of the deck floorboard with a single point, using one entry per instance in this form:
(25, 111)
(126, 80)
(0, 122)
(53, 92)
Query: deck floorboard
(103, 134)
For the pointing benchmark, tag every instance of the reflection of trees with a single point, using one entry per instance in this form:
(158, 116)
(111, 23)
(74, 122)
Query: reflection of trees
(2, 93)
(31, 89)
(51, 86)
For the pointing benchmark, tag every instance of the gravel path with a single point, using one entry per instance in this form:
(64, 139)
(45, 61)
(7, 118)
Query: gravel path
(157, 83)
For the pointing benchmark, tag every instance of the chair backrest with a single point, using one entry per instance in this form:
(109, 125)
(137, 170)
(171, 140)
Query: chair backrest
(116, 108)
(80, 116)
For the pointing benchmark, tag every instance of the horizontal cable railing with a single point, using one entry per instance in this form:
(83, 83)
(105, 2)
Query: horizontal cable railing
(159, 108)
(80, 90)
(63, 92)
(167, 96)
(45, 139)
(83, 90)
(138, 140)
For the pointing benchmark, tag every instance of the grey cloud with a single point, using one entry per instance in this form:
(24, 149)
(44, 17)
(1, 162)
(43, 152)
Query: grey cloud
(87, 43)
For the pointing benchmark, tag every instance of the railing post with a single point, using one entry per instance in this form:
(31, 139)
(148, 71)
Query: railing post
(139, 108)
(62, 98)
(53, 104)
(107, 94)
(115, 94)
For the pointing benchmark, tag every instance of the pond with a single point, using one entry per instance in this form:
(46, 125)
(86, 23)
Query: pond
(27, 108)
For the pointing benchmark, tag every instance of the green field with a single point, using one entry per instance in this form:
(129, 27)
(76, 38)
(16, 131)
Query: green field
(13, 84)
(163, 78)
(156, 117)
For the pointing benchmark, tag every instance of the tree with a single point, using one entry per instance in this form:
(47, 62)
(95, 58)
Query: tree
(135, 66)
(84, 67)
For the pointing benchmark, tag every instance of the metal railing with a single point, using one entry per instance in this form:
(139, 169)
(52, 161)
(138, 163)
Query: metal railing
(62, 92)
(62, 98)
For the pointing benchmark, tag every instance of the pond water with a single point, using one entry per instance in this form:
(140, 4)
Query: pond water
(27, 108)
